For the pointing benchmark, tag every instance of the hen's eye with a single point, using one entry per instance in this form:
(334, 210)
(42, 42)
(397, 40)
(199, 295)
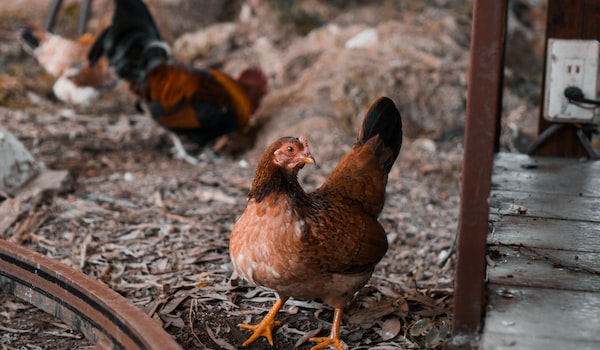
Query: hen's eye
(290, 149)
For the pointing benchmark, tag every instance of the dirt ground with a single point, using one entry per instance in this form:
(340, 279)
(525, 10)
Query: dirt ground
(155, 229)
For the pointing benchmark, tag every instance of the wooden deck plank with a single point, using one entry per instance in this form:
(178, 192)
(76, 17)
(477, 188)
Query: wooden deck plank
(544, 314)
(546, 175)
(580, 236)
(519, 162)
(569, 182)
(501, 341)
(544, 205)
(527, 267)
(544, 289)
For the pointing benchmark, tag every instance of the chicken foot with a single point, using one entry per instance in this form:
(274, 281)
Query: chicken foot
(334, 336)
(180, 152)
(265, 327)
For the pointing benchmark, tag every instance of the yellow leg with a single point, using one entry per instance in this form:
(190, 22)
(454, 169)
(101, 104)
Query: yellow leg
(265, 327)
(334, 336)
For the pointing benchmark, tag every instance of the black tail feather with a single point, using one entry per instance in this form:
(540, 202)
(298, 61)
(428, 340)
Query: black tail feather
(383, 118)
(132, 43)
(28, 37)
(135, 14)
(97, 49)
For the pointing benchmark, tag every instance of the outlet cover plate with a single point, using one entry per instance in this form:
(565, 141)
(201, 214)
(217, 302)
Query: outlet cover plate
(570, 63)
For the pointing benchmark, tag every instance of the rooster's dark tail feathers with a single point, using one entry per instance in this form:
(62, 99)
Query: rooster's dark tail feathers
(132, 43)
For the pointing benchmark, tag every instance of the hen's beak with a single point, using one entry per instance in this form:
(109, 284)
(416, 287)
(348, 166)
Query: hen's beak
(307, 158)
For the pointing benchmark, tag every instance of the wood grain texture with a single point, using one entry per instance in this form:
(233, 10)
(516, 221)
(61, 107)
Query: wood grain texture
(501, 341)
(545, 233)
(543, 243)
(546, 175)
(556, 316)
(544, 205)
(484, 103)
(530, 267)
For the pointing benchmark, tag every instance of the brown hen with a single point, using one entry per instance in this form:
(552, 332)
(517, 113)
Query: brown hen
(323, 244)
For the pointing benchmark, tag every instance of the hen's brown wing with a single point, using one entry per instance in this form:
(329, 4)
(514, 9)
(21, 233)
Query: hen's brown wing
(342, 238)
(361, 175)
(345, 228)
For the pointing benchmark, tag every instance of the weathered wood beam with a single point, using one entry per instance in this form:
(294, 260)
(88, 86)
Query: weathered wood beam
(484, 104)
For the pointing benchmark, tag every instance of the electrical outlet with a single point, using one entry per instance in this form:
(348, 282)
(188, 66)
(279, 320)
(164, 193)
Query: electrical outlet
(571, 63)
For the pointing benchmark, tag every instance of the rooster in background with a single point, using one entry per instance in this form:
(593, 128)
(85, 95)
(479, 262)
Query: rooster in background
(200, 103)
(77, 82)
(323, 244)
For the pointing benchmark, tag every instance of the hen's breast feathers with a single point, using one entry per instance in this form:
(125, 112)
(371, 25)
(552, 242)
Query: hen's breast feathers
(271, 226)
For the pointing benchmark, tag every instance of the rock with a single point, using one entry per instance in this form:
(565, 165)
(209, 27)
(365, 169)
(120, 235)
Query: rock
(366, 38)
(17, 165)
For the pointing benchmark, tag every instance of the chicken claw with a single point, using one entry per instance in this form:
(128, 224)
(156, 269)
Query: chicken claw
(334, 337)
(325, 342)
(265, 327)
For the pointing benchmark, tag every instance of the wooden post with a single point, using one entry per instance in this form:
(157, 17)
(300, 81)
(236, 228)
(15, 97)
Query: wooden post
(84, 15)
(50, 18)
(484, 105)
